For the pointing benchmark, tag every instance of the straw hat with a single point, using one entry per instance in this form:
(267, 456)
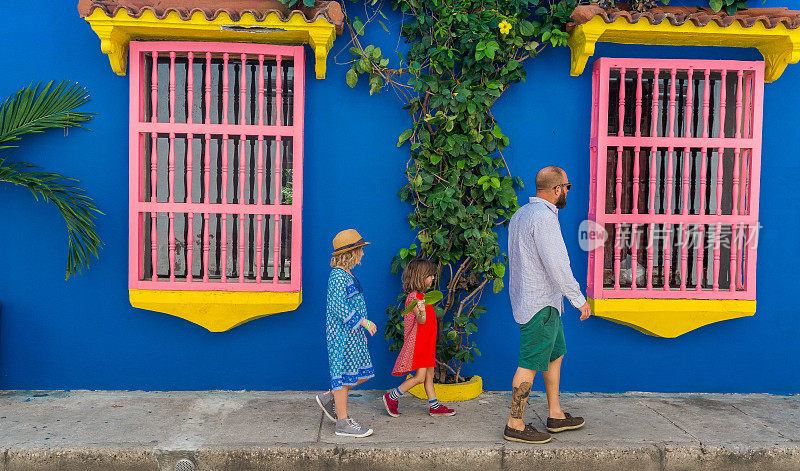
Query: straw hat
(348, 239)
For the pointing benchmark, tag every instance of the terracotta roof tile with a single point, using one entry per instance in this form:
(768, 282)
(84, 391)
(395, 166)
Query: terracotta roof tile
(329, 10)
(678, 15)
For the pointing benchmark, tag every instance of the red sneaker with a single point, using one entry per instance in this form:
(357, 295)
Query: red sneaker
(391, 405)
(442, 411)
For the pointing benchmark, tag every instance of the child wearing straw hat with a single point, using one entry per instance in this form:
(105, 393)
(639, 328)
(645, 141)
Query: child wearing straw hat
(346, 325)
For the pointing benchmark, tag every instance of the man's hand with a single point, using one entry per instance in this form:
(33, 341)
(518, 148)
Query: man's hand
(586, 311)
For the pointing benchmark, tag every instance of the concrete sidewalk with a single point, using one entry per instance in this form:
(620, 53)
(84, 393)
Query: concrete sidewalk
(224, 430)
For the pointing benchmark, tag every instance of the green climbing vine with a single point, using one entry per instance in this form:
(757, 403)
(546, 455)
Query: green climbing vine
(463, 55)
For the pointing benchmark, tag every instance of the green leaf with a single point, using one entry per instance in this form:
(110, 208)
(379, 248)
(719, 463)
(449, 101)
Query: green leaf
(351, 78)
(375, 84)
(491, 48)
(395, 265)
(716, 5)
(32, 111)
(431, 297)
(381, 23)
(363, 65)
(404, 136)
(358, 26)
(526, 28)
(496, 132)
(77, 209)
(499, 269)
(497, 285)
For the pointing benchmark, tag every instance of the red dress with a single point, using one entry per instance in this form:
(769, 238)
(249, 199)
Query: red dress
(419, 341)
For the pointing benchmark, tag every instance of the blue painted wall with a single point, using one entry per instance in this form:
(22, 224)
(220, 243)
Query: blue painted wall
(83, 333)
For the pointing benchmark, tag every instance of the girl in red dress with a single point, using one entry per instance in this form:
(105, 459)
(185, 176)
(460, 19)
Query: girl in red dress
(419, 342)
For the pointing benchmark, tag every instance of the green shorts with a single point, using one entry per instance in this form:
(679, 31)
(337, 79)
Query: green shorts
(541, 340)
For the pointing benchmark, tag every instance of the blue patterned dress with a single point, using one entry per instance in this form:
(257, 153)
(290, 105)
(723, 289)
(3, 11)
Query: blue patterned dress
(347, 343)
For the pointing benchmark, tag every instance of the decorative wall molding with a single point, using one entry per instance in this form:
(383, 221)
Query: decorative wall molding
(779, 45)
(116, 32)
(217, 311)
(670, 317)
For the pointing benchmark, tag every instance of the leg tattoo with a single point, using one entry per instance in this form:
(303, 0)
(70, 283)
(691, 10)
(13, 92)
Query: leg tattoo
(519, 398)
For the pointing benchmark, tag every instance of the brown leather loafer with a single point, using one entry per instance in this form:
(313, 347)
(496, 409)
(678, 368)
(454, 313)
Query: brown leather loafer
(560, 425)
(528, 435)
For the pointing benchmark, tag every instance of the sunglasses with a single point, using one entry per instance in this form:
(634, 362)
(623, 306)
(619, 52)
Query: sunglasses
(568, 186)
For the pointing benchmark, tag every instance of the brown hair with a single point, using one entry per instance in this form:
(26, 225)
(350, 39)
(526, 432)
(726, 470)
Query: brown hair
(349, 259)
(415, 273)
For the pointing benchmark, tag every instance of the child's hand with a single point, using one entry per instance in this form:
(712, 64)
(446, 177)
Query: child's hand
(370, 326)
(420, 306)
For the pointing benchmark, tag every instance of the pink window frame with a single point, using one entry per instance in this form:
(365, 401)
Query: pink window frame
(139, 205)
(746, 141)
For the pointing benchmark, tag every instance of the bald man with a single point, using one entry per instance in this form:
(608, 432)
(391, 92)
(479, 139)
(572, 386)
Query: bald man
(540, 276)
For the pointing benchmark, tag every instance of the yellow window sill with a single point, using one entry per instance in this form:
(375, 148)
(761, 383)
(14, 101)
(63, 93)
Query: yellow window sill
(116, 32)
(670, 317)
(217, 311)
(779, 46)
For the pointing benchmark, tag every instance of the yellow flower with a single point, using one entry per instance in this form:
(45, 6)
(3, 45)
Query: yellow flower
(505, 27)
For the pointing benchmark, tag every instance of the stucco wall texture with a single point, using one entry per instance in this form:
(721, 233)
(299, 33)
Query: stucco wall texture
(83, 333)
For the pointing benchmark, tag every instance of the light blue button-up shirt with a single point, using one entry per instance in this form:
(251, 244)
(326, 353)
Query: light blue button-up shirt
(540, 274)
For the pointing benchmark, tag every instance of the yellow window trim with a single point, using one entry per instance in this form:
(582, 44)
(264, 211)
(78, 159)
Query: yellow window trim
(670, 317)
(116, 32)
(217, 311)
(779, 46)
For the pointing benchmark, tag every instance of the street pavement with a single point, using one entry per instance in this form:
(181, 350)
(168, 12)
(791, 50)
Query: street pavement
(249, 430)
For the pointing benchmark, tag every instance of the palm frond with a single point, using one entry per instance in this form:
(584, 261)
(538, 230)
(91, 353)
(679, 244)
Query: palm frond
(77, 209)
(31, 110)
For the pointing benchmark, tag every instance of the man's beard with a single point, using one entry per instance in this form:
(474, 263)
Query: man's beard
(561, 201)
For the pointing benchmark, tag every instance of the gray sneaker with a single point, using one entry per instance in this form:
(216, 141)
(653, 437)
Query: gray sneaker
(349, 428)
(328, 406)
